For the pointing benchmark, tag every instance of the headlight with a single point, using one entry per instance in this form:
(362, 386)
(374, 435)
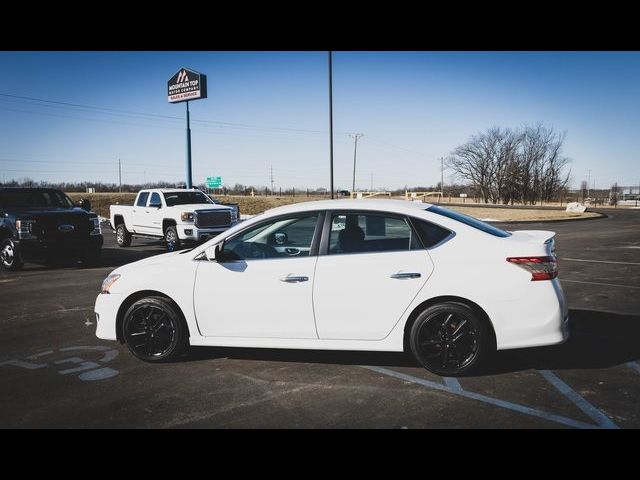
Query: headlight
(24, 228)
(108, 282)
(234, 215)
(186, 216)
(95, 224)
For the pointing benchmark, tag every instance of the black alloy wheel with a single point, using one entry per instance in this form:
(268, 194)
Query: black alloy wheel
(154, 331)
(450, 339)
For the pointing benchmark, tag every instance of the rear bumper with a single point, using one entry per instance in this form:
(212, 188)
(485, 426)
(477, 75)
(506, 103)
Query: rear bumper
(540, 319)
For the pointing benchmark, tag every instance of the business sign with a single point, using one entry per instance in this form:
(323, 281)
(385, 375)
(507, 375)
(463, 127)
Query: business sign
(214, 182)
(186, 85)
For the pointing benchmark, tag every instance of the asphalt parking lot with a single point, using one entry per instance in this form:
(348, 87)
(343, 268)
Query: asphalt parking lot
(56, 374)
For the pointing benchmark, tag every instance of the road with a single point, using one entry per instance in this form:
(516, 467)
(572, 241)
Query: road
(56, 373)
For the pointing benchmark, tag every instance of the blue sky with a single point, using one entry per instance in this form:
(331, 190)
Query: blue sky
(270, 109)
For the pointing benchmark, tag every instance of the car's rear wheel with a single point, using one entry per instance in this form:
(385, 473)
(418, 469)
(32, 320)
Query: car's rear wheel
(123, 236)
(154, 330)
(10, 256)
(451, 339)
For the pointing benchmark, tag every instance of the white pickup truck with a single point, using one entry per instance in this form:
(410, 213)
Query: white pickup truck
(178, 216)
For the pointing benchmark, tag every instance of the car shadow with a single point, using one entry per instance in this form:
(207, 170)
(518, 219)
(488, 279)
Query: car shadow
(597, 340)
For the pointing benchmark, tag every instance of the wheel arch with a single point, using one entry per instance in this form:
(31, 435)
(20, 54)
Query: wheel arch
(444, 299)
(168, 222)
(133, 298)
(118, 219)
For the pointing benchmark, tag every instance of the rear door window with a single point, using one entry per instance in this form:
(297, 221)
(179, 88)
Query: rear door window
(370, 232)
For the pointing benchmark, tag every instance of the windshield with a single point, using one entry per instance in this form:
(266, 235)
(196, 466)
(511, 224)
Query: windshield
(35, 198)
(185, 198)
(467, 220)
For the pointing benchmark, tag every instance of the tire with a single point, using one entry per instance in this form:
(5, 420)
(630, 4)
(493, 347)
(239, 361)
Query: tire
(171, 239)
(450, 339)
(123, 236)
(10, 257)
(154, 330)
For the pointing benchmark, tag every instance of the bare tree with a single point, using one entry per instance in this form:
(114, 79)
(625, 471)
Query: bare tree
(507, 165)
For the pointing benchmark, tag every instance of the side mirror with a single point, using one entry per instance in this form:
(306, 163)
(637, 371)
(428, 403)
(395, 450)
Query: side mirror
(85, 204)
(155, 205)
(217, 251)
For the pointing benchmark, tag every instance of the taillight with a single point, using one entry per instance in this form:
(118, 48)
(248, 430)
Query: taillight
(541, 268)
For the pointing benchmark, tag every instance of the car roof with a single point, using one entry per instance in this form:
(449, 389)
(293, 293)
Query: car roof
(171, 190)
(396, 206)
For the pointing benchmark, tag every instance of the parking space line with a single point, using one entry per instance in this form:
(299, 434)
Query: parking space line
(483, 398)
(599, 283)
(579, 401)
(453, 384)
(634, 366)
(599, 261)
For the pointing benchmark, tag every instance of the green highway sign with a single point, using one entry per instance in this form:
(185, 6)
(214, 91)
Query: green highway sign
(214, 182)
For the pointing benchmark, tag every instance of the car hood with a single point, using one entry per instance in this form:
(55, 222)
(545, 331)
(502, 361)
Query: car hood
(50, 212)
(200, 206)
(154, 260)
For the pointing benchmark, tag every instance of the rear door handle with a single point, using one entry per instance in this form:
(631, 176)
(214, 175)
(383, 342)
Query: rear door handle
(294, 279)
(403, 275)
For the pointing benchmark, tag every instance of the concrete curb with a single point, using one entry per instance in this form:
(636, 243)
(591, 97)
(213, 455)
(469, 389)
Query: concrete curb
(553, 220)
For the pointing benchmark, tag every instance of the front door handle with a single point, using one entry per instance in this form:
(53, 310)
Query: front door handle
(294, 279)
(403, 275)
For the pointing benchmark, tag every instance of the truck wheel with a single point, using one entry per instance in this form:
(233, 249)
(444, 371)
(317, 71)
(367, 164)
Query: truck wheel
(123, 236)
(10, 257)
(171, 239)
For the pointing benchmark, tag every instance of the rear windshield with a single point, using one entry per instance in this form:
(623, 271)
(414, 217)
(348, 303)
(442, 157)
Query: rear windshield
(467, 220)
(35, 198)
(185, 198)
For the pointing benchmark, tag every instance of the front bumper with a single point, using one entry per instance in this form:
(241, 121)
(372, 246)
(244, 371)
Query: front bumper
(47, 250)
(106, 310)
(191, 233)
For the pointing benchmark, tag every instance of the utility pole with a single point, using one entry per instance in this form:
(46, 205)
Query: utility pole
(442, 176)
(589, 183)
(355, 136)
(371, 190)
(271, 179)
(331, 120)
(120, 174)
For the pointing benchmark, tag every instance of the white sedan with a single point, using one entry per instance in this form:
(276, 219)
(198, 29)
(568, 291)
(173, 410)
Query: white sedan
(378, 275)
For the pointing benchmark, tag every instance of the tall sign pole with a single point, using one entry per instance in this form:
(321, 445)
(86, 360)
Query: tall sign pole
(331, 121)
(184, 86)
(189, 176)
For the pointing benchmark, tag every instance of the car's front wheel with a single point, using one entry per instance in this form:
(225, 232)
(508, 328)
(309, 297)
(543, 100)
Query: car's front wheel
(451, 339)
(10, 256)
(171, 239)
(154, 330)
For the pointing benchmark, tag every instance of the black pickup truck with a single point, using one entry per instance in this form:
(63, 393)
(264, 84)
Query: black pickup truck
(43, 225)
